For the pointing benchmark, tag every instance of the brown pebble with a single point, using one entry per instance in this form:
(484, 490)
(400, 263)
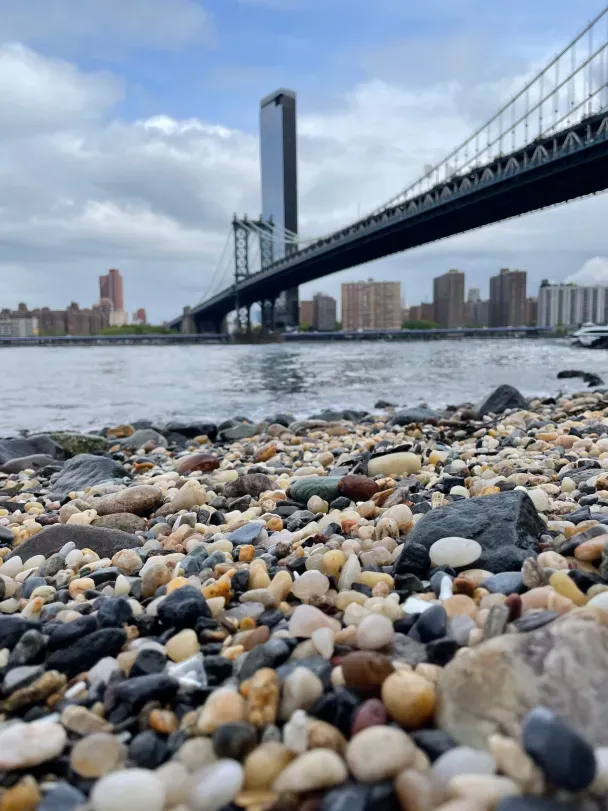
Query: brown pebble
(264, 764)
(163, 721)
(266, 452)
(263, 698)
(256, 637)
(24, 796)
(322, 735)
(409, 699)
(357, 488)
(197, 461)
(459, 605)
(513, 603)
(366, 671)
(416, 791)
(371, 713)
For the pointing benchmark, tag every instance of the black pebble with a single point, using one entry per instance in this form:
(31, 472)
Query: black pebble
(337, 707)
(87, 651)
(30, 650)
(432, 624)
(148, 750)
(114, 613)
(433, 742)
(183, 607)
(564, 756)
(218, 669)
(148, 662)
(345, 798)
(441, 651)
(138, 691)
(234, 740)
(240, 581)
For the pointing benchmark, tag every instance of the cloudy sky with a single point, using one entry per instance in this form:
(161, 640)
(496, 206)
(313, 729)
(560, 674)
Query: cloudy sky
(129, 134)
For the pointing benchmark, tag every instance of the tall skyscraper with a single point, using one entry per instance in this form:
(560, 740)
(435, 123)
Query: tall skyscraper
(278, 160)
(448, 299)
(110, 287)
(323, 312)
(508, 298)
(371, 305)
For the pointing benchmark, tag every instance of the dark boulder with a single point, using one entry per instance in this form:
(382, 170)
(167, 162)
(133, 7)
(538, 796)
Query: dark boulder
(29, 446)
(506, 525)
(502, 399)
(84, 471)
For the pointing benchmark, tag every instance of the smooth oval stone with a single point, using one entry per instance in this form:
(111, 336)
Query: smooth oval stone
(216, 785)
(246, 534)
(370, 714)
(365, 671)
(505, 583)
(128, 790)
(394, 464)
(326, 487)
(379, 753)
(454, 551)
(357, 488)
(374, 632)
(462, 760)
(310, 584)
(563, 755)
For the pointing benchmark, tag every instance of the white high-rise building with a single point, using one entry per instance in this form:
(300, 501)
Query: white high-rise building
(567, 305)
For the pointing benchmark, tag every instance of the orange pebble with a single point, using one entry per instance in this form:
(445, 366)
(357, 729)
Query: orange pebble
(246, 553)
(177, 583)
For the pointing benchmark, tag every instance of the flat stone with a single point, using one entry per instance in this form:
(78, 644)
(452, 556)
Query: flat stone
(74, 444)
(84, 471)
(394, 464)
(505, 583)
(34, 462)
(138, 500)
(326, 487)
(204, 462)
(106, 542)
(455, 552)
(560, 666)
(247, 534)
(314, 770)
(24, 745)
(95, 755)
(128, 790)
(420, 414)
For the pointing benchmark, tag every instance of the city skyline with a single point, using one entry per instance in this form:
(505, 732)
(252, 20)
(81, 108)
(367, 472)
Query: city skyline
(142, 167)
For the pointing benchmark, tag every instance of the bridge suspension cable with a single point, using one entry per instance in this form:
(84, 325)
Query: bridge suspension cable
(572, 86)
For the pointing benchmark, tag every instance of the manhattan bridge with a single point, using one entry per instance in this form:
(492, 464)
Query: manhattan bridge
(547, 145)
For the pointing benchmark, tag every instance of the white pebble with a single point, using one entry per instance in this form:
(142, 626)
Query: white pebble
(540, 499)
(323, 640)
(310, 584)
(462, 760)
(374, 632)
(295, 732)
(216, 785)
(128, 790)
(454, 551)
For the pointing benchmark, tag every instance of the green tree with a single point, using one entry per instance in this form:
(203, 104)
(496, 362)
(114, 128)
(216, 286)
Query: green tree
(419, 325)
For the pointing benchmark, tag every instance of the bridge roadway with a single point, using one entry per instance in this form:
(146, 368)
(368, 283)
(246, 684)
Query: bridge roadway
(571, 163)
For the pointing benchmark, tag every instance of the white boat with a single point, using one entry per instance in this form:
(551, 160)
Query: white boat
(591, 334)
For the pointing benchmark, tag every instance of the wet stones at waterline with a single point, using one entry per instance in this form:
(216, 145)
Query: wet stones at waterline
(400, 610)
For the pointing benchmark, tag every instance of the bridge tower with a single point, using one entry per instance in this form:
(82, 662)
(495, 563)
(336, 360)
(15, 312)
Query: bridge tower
(243, 230)
(241, 270)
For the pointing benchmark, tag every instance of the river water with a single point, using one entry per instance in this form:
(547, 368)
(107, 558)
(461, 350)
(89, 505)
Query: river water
(89, 387)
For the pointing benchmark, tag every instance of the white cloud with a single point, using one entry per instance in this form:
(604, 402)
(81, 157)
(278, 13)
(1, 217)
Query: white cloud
(593, 272)
(82, 190)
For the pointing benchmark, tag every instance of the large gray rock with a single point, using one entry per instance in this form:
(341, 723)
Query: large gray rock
(143, 437)
(502, 399)
(85, 470)
(490, 688)
(506, 525)
(29, 446)
(106, 542)
(139, 500)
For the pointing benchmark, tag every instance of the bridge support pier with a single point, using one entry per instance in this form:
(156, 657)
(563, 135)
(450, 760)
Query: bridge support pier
(268, 315)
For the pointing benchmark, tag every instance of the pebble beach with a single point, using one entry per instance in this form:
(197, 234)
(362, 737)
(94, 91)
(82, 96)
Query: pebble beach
(397, 610)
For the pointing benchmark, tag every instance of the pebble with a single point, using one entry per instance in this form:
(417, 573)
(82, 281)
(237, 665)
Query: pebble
(565, 757)
(374, 632)
(128, 790)
(455, 552)
(462, 760)
(23, 745)
(311, 771)
(379, 753)
(95, 755)
(300, 691)
(264, 764)
(409, 698)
